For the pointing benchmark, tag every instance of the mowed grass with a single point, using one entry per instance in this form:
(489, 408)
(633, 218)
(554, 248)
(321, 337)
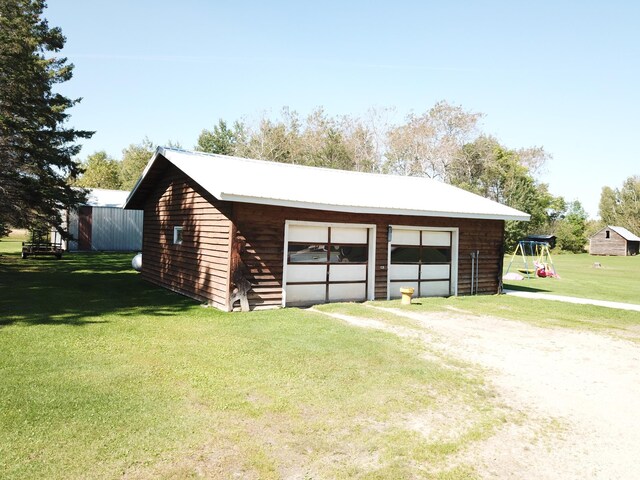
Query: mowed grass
(541, 313)
(617, 280)
(105, 376)
(13, 243)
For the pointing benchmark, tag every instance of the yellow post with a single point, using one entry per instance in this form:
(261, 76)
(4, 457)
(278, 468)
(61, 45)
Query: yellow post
(407, 293)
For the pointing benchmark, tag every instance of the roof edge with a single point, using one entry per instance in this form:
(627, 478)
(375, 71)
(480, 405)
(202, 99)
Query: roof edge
(625, 233)
(166, 153)
(159, 151)
(372, 210)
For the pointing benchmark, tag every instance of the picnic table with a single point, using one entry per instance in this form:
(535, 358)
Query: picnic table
(42, 248)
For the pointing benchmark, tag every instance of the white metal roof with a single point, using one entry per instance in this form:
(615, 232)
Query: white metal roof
(624, 233)
(100, 197)
(262, 182)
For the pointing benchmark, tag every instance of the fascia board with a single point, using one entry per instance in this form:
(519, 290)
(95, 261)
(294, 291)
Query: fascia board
(372, 210)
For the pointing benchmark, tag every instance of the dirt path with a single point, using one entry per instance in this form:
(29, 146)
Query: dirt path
(579, 392)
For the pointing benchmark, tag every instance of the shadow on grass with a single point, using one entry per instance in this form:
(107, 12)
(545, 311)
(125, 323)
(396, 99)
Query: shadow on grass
(524, 288)
(80, 289)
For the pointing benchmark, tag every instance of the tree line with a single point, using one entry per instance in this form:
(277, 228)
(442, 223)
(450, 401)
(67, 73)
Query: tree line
(444, 143)
(102, 171)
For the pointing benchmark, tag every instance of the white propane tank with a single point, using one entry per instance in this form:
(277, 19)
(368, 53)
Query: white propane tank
(136, 262)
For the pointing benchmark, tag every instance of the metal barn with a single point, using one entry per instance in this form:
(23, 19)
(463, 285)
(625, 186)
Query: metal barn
(101, 224)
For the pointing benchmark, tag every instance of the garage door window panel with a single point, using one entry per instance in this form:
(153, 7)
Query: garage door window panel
(435, 255)
(349, 253)
(305, 253)
(416, 254)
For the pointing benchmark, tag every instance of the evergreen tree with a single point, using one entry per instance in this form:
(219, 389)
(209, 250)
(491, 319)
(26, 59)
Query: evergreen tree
(36, 149)
(221, 140)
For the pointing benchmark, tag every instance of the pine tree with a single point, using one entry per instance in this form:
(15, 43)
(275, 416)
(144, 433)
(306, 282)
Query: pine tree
(36, 149)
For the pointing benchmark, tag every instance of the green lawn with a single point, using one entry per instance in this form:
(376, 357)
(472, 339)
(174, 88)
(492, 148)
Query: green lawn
(621, 323)
(618, 280)
(13, 243)
(105, 376)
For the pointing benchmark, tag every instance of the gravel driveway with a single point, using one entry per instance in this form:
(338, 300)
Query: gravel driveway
(581, 389)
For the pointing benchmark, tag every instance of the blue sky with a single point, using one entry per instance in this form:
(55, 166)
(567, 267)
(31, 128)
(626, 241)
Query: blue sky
(562, 75)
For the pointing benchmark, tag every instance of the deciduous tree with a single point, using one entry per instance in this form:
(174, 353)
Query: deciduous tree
(630, 204)
(322, 142)
(487, 168)
(571, 230)
(134, 158)
(608, 206)
(100, 171)
(426, 144)
(621, 206)
(360, 143)
(276, 140)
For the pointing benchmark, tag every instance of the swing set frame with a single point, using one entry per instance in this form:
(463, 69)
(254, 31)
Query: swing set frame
(541, 259)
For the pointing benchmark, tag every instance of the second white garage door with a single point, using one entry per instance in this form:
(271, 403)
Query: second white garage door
(327, 263)
(425, 259)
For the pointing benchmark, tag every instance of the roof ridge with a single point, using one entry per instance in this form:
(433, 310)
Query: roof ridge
(301, 166)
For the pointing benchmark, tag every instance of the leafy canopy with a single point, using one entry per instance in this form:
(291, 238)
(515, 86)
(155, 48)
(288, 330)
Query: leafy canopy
(100, 171)
(444, 142)
(134, 158)
(621, 206)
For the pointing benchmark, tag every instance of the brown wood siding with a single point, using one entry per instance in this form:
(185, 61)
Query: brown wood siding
(260, 231)
(601, 245)
(199, 267)
(85, 227)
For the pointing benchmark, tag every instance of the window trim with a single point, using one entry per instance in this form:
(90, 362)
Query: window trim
(177, 235)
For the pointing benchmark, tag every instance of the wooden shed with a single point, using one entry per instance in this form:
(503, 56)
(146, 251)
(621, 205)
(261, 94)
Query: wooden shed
(612, 240)
(297, 235)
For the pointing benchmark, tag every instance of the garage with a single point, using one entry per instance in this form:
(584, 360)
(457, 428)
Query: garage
(327, 263)
(279, 234)
(423, 258)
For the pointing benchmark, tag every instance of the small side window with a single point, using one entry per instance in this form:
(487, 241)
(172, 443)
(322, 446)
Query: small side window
(177, 235)
(607, 234)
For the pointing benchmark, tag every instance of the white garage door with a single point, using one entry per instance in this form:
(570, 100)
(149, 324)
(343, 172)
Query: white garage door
(326, 263)
(422, 259)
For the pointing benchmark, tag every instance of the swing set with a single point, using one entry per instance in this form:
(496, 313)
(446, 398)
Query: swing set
(540, 263)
